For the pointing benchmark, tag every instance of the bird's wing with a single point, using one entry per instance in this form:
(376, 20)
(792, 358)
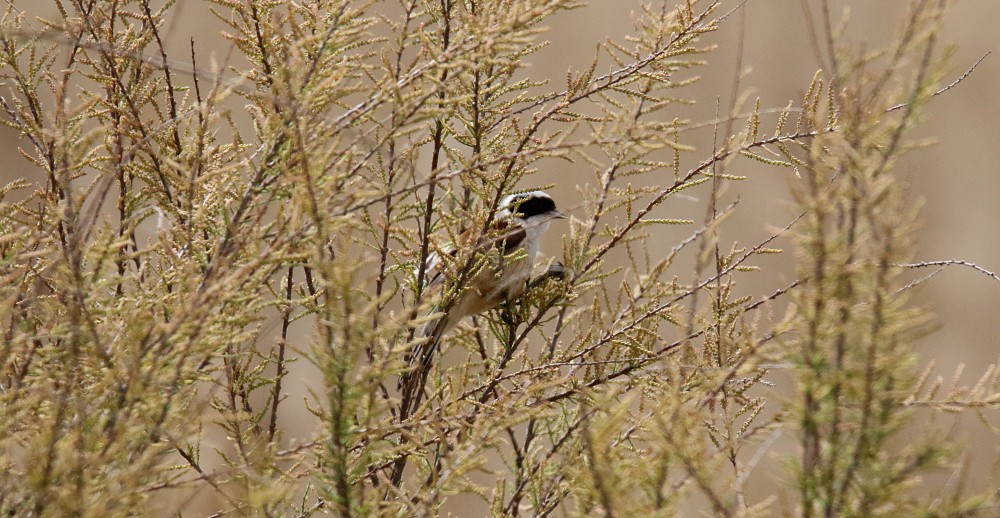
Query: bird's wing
(433, 271)
(506, 239)
(511, 235)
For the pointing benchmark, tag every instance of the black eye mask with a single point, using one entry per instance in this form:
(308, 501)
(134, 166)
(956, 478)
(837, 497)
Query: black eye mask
(532, 206)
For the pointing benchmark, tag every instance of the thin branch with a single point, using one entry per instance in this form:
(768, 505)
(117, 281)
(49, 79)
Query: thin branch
(950, 85)
(952, 262)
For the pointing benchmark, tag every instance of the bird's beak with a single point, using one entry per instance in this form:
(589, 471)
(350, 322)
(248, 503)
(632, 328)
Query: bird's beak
(558, 215)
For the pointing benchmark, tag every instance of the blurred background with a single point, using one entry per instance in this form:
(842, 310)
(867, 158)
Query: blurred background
(956, 180)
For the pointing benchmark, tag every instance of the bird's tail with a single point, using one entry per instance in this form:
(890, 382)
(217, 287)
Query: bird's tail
(420, 360)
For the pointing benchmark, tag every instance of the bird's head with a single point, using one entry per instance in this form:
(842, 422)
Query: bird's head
(530, 208)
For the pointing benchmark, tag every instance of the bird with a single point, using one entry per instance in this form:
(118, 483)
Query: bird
(501, 274)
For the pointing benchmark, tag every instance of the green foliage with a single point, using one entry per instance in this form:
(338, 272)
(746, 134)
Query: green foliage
(196, 232)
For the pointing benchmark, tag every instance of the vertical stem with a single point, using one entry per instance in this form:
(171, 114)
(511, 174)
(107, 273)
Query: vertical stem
(286, 322)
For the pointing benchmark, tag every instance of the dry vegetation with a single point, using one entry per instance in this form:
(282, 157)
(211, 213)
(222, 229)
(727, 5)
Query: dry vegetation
(188, 217)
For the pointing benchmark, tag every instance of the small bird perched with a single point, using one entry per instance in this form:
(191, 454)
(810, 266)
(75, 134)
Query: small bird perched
(516, 234)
